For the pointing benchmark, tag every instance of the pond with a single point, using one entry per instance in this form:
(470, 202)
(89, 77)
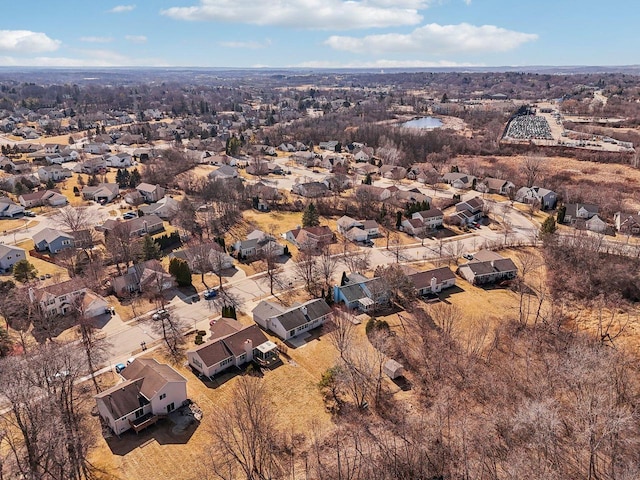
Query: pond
(423, 123)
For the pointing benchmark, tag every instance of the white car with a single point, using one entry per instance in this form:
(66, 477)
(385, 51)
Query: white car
(160, 314)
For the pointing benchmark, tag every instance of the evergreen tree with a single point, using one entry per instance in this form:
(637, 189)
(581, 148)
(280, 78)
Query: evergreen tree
(50, 184)
(548, 226)
(150, 249)
(134, 178)
(344, 280)
(180, 271)
(93, 181)
(310, 217)
(398, 219)
(562, 211)
(24, 271)
(367, 179)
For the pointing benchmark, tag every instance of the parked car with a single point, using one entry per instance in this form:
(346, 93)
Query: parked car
(29, 213)
(129, 215)
(209, 294)
(160, 314)
(120, 367)
(467, 256)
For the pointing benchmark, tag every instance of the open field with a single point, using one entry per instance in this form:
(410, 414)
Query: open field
(579, 176)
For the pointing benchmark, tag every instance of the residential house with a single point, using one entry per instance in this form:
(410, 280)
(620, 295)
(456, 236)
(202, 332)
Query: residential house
(469, 211)
(579, 211)
(69, 297)
(311, 189)
(60, 158)
(102, 193)
(15, 166)
(393, 172)
(145, 276)
(96, 148)
(246, 344)
(432, 281)
(545, 198)
(362, 293)
(211, 256)
(358, 230)
(224, 172)
(596, 224)
(150, 193)
(402, 198)
(460, 181)
(42, 197)
(496, 185)
(310, 237)
(488, 267)
(330, 145)
(52, 240)
(119, 160)
(133, 198)
(423, 221)
(288, 323)
(366, 169)
(166, 207)
(9, 256)
(9, 209)
(150, 390)
(91, 166)
(256, 245)
(377, 194)
(627, 223)
(52, 148)
(138, 227)
(54, 173)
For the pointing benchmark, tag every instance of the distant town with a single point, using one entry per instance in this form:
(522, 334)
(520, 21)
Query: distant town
(289, 274)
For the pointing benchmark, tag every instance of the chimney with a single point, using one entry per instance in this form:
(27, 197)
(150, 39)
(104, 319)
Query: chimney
(304, 310)
(433, 284)
(248, 348)
(493, 264)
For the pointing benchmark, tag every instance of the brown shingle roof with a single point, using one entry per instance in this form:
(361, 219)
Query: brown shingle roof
(154, 375)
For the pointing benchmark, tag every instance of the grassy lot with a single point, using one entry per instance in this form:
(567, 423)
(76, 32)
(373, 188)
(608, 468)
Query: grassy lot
(10, 224)
(57, 273)
(292, 387)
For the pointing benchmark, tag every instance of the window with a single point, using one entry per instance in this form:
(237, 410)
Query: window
(226, 361)
(62, 298)
(139, 413)
(163, 396)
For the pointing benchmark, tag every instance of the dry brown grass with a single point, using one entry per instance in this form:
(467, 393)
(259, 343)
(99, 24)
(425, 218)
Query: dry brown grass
(606, 175)
(10, 224)
(292, 386)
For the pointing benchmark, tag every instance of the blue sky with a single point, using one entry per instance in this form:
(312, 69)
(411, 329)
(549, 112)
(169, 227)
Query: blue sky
(319, 33)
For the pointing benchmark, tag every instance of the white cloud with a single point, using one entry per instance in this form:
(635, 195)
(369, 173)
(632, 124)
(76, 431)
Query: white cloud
(26, 41)
(136, 38)
(307, 14)
(249, 45)
(384, 64)
(434, 39)
(84, 58)
(122, 8)
(96, 39)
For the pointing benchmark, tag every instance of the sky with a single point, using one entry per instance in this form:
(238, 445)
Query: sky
(319, 33)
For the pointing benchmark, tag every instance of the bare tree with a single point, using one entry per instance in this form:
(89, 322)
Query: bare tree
(244, 431)
(306, 269)
(356, 259)
(532, 169)
(172, 329)
(273, 270)
(327, 265)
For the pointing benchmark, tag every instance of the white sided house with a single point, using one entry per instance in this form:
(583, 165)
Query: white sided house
(150, 391)
(433, 281)
(289, 323)
(246, 345)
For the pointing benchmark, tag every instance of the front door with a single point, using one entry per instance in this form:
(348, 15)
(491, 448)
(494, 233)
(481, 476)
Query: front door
(170, 407)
